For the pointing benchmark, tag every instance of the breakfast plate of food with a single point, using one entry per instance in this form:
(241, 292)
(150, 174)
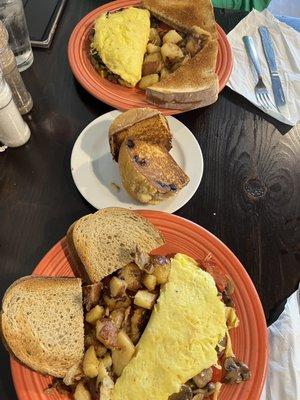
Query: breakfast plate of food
(170, 55)
(136, 305)
(139, 159)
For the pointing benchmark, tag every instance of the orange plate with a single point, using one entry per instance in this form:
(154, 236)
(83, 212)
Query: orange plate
(249, 339)
(116, 95)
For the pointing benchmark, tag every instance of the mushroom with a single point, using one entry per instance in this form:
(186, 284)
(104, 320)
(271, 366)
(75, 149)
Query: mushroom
(236, 371)
(221, 346)
(184, 394)
(206, 391)
(203, 378)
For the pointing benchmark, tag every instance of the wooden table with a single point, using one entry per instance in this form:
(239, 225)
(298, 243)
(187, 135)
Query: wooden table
(249, 196)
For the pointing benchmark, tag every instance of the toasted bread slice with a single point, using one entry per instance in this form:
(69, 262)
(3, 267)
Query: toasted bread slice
(105, 241)
(42, 323)
(139, 123)
(183, 14)
(193, 82)
(148, 171)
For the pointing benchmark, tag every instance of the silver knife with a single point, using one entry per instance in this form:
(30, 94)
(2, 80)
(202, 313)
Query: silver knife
(271, 60)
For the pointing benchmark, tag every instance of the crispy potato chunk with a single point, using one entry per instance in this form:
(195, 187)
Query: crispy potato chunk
(164, 73)
(132, 275)
(102, 373)
(107, 332)
(117, 316)
(161, 272)
(152, 64)
(106, 388)
(149, 281)
(138, 322)
(171, 53)
(117, 287)
(172, 37)
(124, 353)
(152, 48)
(154, 37)
(144, 299)
(94, 314)
(107, 361)
(90, 363)
(81, 392)
(148, 80)
(114, 303)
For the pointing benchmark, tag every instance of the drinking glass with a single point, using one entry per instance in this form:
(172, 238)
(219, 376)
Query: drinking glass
(13, 17)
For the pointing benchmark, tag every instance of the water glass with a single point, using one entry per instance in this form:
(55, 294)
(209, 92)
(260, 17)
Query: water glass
(13, 17)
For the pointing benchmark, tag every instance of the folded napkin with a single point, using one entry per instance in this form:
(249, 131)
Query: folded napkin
(283, 379)
(286, 46)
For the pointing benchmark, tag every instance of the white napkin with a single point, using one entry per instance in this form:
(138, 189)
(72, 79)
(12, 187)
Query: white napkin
(283, 379)
(286, 43)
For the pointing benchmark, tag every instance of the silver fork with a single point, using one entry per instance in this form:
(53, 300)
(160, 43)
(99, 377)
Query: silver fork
(261, 92)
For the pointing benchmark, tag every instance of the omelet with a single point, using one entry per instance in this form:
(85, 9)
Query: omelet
(121, 39)
(179, 341)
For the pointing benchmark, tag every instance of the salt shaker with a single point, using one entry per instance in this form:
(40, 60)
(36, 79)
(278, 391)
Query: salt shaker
(14, 131)
(12, 75)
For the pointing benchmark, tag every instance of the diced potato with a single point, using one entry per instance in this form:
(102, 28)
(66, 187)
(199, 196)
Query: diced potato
(114, 303)
(106, 388)
(152, 64)
(154, 37)
(171, 53)
(107, 361)
(193, 45)
(100, 349)
(102, 373)
(117, 316)
(148, 80)
(124, 353)
(172, 37)
(164, 73)
(144, 299)
(132, 275)
(90, 363)
(161, 273)
(117, 287)
(106, 333)
(137, 323)
(81, 392)
(149, 281)
(152, 48)
(94, 314)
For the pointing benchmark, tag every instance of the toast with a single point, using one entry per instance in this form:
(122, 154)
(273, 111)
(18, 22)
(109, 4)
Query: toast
(42, 323)
(195, 82)
(148, 171)
(105, 241)
(139, 123)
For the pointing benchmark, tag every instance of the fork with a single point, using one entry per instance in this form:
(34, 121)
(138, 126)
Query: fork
(261, 92)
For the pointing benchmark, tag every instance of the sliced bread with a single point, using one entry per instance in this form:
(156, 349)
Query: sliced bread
(42, 323)
(139, 123)
(105, 241)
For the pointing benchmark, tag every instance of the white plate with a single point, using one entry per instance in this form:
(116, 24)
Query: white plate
(95, 173)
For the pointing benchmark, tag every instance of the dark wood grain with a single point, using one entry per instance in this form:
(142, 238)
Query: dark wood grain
(249, 196)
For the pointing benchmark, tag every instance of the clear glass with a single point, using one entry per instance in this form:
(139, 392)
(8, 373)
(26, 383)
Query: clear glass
(12, 14)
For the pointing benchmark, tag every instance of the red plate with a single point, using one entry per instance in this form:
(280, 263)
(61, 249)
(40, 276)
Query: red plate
(249, 339)
(116, 95)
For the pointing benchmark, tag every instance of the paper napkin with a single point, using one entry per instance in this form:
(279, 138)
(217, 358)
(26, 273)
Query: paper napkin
(283, 378)
(286, 43)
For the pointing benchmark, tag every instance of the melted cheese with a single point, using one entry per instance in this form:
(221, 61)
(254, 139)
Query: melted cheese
(179, 341)
(121, 39)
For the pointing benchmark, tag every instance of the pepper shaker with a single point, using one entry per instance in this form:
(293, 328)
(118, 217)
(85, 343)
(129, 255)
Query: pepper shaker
(12, 75)
(14, 131)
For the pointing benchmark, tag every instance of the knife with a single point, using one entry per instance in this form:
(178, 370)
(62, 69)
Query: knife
(271, 60)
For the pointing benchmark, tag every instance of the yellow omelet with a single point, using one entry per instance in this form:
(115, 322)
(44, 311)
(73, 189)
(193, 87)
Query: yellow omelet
(179, 341)
(121, 39)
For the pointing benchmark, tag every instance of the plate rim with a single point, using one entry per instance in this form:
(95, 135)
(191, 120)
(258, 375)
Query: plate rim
(84, 81)
(170, 209)
(222, 247)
